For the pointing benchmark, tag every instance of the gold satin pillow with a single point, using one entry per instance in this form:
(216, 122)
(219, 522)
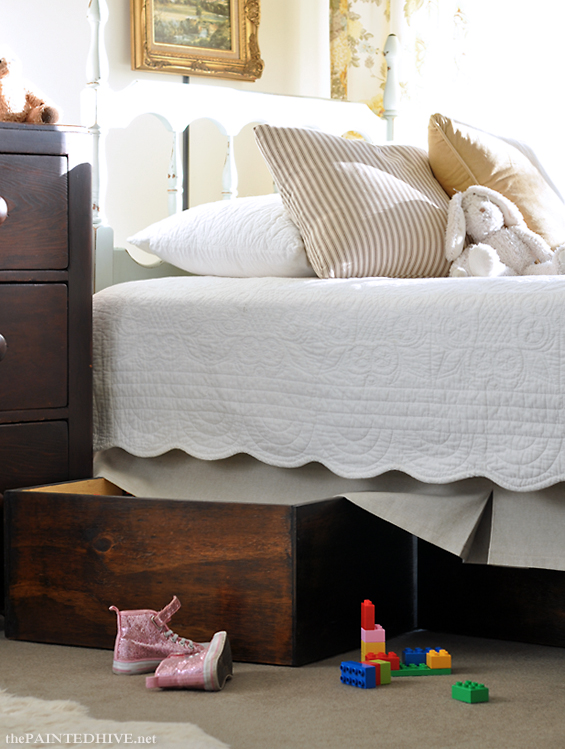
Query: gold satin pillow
(461, 156)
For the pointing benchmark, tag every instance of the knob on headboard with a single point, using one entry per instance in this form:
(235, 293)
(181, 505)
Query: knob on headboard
(3, 210)
(3, 347)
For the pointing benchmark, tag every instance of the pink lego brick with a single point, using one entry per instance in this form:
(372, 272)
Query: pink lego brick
(373, 635)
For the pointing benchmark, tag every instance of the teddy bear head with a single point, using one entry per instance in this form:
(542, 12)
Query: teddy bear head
(5, 66)
(9, 63)
(482, 216)
(476, 213)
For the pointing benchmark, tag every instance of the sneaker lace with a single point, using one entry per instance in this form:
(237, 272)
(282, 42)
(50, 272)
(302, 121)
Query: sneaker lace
(174, 636)
(180, 640)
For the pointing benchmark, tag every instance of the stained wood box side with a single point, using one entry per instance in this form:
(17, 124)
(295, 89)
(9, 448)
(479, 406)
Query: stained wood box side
(71, 556)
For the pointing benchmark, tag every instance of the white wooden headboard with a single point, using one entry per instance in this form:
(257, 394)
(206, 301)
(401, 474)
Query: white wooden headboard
(177, 105)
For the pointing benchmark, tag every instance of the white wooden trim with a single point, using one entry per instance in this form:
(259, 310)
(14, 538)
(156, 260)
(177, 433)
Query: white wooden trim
(392, 89)
(229, 173)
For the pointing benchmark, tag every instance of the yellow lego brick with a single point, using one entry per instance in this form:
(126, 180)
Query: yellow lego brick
(369, 647)
(438, 659)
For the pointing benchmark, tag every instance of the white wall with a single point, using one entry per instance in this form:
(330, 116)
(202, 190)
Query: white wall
(52, 39)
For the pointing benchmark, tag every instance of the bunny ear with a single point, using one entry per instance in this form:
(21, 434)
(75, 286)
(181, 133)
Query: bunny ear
(510, 211)
(456, 228)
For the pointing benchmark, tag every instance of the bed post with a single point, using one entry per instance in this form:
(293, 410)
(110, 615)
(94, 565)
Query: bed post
(174, 196)
(392, 87)
(103, 236)
(229, 174)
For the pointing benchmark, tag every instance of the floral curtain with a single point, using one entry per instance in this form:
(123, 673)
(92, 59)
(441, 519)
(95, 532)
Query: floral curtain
(432, 35)
(493, 64)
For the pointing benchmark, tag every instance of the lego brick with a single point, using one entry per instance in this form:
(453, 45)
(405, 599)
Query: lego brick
(413, 656)
(420, 669)
(369, 647)
(360, 675)
(469, 691)
(438, 659)
(377, 667)
(384, 672)
(391, 657)
(367, 615)
(377, 634)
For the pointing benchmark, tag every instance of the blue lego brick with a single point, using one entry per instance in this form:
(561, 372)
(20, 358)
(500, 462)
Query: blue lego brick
(413, 656)
(419, 669)
(469, 691)
(360, 675)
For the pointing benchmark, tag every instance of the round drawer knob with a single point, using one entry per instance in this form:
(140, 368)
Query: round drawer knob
(3, 347)
(3, 210)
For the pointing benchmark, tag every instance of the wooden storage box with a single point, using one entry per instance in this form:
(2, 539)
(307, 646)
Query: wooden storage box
(506, 603)
(285, 581)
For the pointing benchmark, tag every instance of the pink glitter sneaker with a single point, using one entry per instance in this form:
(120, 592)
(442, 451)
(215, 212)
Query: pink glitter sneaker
(144, 640)
(208, 670)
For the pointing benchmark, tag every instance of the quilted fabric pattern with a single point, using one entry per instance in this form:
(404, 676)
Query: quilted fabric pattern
(243, 237)
(440, 378)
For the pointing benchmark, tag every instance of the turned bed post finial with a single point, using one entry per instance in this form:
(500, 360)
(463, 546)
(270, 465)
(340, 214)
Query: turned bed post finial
(95, 72)
(175, 169)
(392, 87)
(229, 174)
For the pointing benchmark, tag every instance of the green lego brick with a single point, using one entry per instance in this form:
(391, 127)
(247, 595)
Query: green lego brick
(469, 691)
(420, 669)
(385, 671)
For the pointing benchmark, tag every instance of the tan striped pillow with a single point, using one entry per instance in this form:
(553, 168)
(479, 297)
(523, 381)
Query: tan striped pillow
(362, 210)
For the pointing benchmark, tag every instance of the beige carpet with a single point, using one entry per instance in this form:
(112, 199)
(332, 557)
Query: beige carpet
(270, 707)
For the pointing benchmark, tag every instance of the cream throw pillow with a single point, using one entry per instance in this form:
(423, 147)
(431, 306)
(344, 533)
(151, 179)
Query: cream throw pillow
(461, 156)
(362, 210)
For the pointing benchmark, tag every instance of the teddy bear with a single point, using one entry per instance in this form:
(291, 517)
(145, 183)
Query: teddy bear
(17, 102)
(501, 243)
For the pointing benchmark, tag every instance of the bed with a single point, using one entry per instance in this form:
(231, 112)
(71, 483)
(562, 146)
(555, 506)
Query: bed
(279, 348)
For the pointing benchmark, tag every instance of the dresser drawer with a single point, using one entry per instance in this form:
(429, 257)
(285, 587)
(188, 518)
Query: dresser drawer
(33, 323)
(30, 452)
(34, 234)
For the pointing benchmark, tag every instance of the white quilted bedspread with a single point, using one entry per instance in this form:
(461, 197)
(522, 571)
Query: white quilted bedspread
(440, 378)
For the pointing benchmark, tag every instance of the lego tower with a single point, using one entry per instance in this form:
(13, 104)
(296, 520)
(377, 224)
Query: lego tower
(372, 635)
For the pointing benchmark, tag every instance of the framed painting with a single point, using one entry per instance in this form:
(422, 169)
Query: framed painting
(215, 38)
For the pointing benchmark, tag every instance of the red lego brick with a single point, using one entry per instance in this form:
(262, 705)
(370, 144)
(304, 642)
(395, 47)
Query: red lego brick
(367, 615)
(391, 657)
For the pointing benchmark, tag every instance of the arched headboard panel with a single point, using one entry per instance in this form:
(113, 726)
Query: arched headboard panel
(177, 105)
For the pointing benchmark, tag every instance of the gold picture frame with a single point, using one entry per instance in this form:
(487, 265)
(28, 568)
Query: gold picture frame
(214, 38)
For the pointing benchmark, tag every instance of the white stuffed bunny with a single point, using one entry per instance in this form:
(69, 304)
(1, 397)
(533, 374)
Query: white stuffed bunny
(502, 244)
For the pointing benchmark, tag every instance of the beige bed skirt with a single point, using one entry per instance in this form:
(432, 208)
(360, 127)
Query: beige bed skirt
(472, 518)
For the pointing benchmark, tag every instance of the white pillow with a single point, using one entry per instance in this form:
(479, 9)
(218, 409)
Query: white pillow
(242, 238)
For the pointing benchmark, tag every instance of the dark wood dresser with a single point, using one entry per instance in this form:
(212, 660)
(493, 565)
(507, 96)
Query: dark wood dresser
(45, 305)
